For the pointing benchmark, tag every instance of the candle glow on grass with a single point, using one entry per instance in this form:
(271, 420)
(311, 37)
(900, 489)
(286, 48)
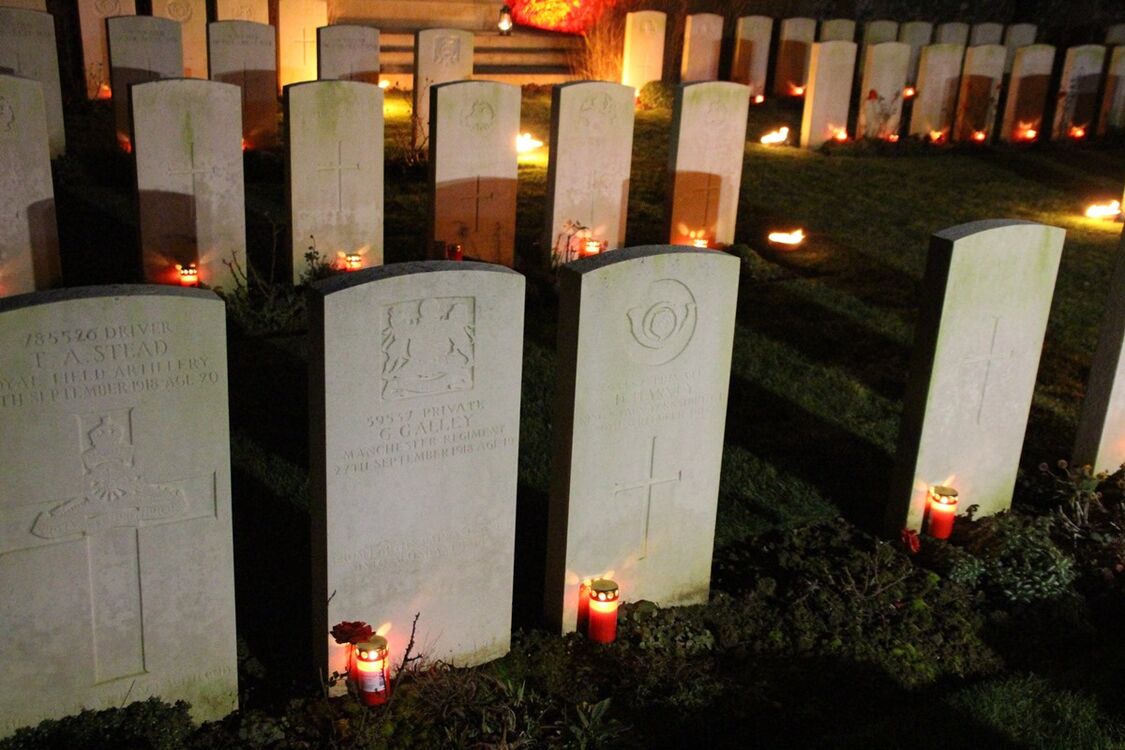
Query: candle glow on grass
(789, 239)
(776, 137)
(1107, 210)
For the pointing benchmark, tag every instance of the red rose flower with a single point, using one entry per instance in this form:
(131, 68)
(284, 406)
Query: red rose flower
(911, 541)
(351, 632)
(872, 94)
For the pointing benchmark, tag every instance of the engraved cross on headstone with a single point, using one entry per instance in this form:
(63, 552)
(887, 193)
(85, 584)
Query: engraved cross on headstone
(194, 171)
(647, 485)
(304, 41)
(710, 191)
(339, 168)
(111, 505)
(988, 361)
(476, 198)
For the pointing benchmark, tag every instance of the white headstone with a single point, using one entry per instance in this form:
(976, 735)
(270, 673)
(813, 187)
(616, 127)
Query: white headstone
(953, 32)
(335, 172)
(588, 169)
(752, 52)
(986, 33)
(1077, 106)
(917, 34)
(257, 11)
(440, 56)
(40, 5)
(876, 32)
(643, 57)
(1015, 36)
(347, 52)
(830, 87)
(27, 48)
(141, 49)
(191, 15)
(703, 42)
(981, 79)
(880, 95)
(939, 78)
(794, 46)
(29, 245)
(414, 475)
(243, 53)
(837, 30)
(1027, 94)
(1101, 427)
(644, 360)
(984, 303)
(297, 22)
(189, 179)
(95, 51)
(473, 130)
(707, 172)
(1112, 116)
(1115, 34)
(116, 558)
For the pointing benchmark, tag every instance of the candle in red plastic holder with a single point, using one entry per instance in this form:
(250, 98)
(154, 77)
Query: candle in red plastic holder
(942, 510)
(602, 625)
(372, 674)
(454, 251)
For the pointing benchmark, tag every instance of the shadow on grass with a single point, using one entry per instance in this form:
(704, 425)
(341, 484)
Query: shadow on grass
(847, 469)
(269, 403)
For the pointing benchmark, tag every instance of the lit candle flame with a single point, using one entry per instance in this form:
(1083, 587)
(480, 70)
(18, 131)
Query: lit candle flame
(794, 238)
(979, 136)
(840, 134)
(774, 137)
(1108, 210)
(699, 239)
(937, 136)
(759, 98)
(189, 274)
(1077, 132)
(527, 142)
(1025, 131)
(909, 92)
(385, 83)
(892, 138)
(795, 90)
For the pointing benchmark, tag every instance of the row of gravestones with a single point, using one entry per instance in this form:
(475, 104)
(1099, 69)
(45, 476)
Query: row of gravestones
(115, 500)
(185, 136)
(956, 82)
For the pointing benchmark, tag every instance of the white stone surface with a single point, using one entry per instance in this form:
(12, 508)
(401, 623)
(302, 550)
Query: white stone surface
(116, 560)
(880, 95)
(297, 22)
(643, 56)
(1015, 36)
(347, 52)
(191, 15)
(1077, 104)
(95, 50)
(29, 245)
(829, 93)
(939, 79)
(257, 11)
(414, 412)
(986, 33)
(440, 56)
(644, 359)
(953, 32)
(1028, 88)
(588, 169)
(244, 53)
(917, 34)
(473, 127)
(27, 48)
(335, 171)
(707, 171)
(752, 36)
(189, 179)
(984, 303)
(1112, 116)
(794, 46)
(40, 5)
(141, 49)
(837, 30)
(1101, 425)
(876, 32)
(703, 42)
(981, 78)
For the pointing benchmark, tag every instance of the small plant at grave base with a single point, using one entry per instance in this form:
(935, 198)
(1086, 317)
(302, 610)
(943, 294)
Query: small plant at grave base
(1080, 512)
(657, 95)
(878, 111)
(1021, 563)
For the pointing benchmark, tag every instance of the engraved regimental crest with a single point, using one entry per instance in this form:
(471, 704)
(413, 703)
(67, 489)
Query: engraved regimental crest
(479, 116)
(179, 10)
(597, 115)
(447, 50)
(428, 346)
(662, 325)
(108, 7)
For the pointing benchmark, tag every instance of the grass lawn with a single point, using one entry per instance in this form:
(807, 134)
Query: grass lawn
(820, 357)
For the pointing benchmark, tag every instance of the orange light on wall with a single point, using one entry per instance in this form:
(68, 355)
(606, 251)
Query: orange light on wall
(942, 510)
(759, 98)
(909, 92)
(372, 678)
(1108, 210)
(1076, 132)
(189, 274)
(104, 92)
(603, 601)
(980, 136)
(454, 252)
(840, 135)
(776, 137)
(795, 90)
(788, 239)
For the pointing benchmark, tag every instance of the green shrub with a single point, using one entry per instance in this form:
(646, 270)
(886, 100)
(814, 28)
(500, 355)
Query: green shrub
(657, 95)
(147, 725)
(1021, 561)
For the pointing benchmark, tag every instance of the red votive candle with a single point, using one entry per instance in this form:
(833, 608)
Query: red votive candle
(372, 674)
(453, 252)
(602, 625)
(942, 511)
